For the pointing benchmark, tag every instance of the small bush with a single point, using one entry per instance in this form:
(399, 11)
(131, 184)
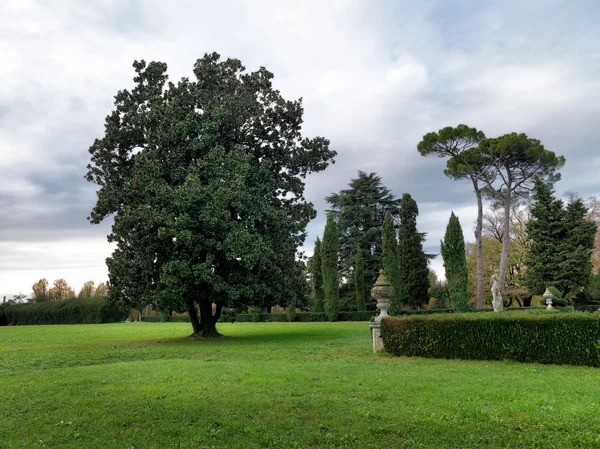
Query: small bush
(290, 312)
(531, 336)
(68, 311)
(555, 292)
(254, 312)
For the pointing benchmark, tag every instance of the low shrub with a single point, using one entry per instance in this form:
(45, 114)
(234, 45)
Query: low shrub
(68, 311)
(254, 312)
(540, 336)
(555, 292)
(290, 312)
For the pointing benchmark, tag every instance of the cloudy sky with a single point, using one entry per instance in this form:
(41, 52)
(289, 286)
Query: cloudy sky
(375, 76)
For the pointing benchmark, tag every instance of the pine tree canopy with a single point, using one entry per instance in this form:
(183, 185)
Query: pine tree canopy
(359, 212)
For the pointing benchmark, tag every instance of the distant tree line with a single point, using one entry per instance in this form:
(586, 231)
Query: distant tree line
(528, 238)
(61, 290)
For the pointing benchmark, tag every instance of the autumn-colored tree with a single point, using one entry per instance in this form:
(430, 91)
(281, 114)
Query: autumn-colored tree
(88, 290)
(493, 226)
(61, 290)
(101, 290)
(40, 290)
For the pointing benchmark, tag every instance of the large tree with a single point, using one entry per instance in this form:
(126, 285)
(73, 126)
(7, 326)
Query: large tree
(318, 297)
(88, 290)
(61, 290)
(359, 212)
(455, 263)
(205, 179)
(329, 265)
(40, 291)
(518, 161)
(389, 260)
(456, 145)
(561, 244)
(412, 261)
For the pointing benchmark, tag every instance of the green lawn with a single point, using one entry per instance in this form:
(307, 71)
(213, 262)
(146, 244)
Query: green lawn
(276, 385)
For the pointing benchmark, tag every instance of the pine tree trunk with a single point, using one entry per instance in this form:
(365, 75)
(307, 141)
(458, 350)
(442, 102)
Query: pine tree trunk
(479, 244)
(505, 238)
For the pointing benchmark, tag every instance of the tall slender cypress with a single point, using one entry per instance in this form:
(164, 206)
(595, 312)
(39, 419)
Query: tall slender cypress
(412, 261)
(359, 278)
(329, 264)
(389, 259)
(318, 297)
(455, 264)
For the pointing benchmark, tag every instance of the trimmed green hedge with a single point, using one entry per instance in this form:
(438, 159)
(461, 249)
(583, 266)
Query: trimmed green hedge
(68, 311)
(280, 317)
(533, 336)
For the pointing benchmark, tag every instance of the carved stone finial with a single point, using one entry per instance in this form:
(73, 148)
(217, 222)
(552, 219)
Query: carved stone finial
(382, 292)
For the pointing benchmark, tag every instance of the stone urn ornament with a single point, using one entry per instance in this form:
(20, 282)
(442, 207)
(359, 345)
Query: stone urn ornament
(548, 296)
(382, 292)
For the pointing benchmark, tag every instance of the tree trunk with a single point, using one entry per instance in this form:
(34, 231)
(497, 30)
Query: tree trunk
(479, 245)
(505, 238)
(218, 311)
(208, 321)
(191, 309)
(140, 314)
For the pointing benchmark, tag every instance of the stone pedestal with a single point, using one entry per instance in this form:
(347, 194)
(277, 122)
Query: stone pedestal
(376, 336)
(382, 292)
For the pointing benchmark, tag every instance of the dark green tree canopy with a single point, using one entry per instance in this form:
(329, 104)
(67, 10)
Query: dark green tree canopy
(329, 266)
(359, 211)
(412, 261)
(318, 297)
(455, 263)
(561, 244)
(359, 279)
(205, 179)
(389, 261)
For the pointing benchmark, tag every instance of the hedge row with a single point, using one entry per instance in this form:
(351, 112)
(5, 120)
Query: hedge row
(68, 311)
(276, 317)
(534, 336)
(305, 316)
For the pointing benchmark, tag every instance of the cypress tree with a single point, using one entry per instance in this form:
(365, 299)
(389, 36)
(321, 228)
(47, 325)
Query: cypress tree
(316, 272)
(329, 262)
(580, 234)
(455, 263)
(389, 260)
(359, 279)
(412, 261)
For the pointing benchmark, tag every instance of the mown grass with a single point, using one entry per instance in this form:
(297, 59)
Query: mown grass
(275, 385)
